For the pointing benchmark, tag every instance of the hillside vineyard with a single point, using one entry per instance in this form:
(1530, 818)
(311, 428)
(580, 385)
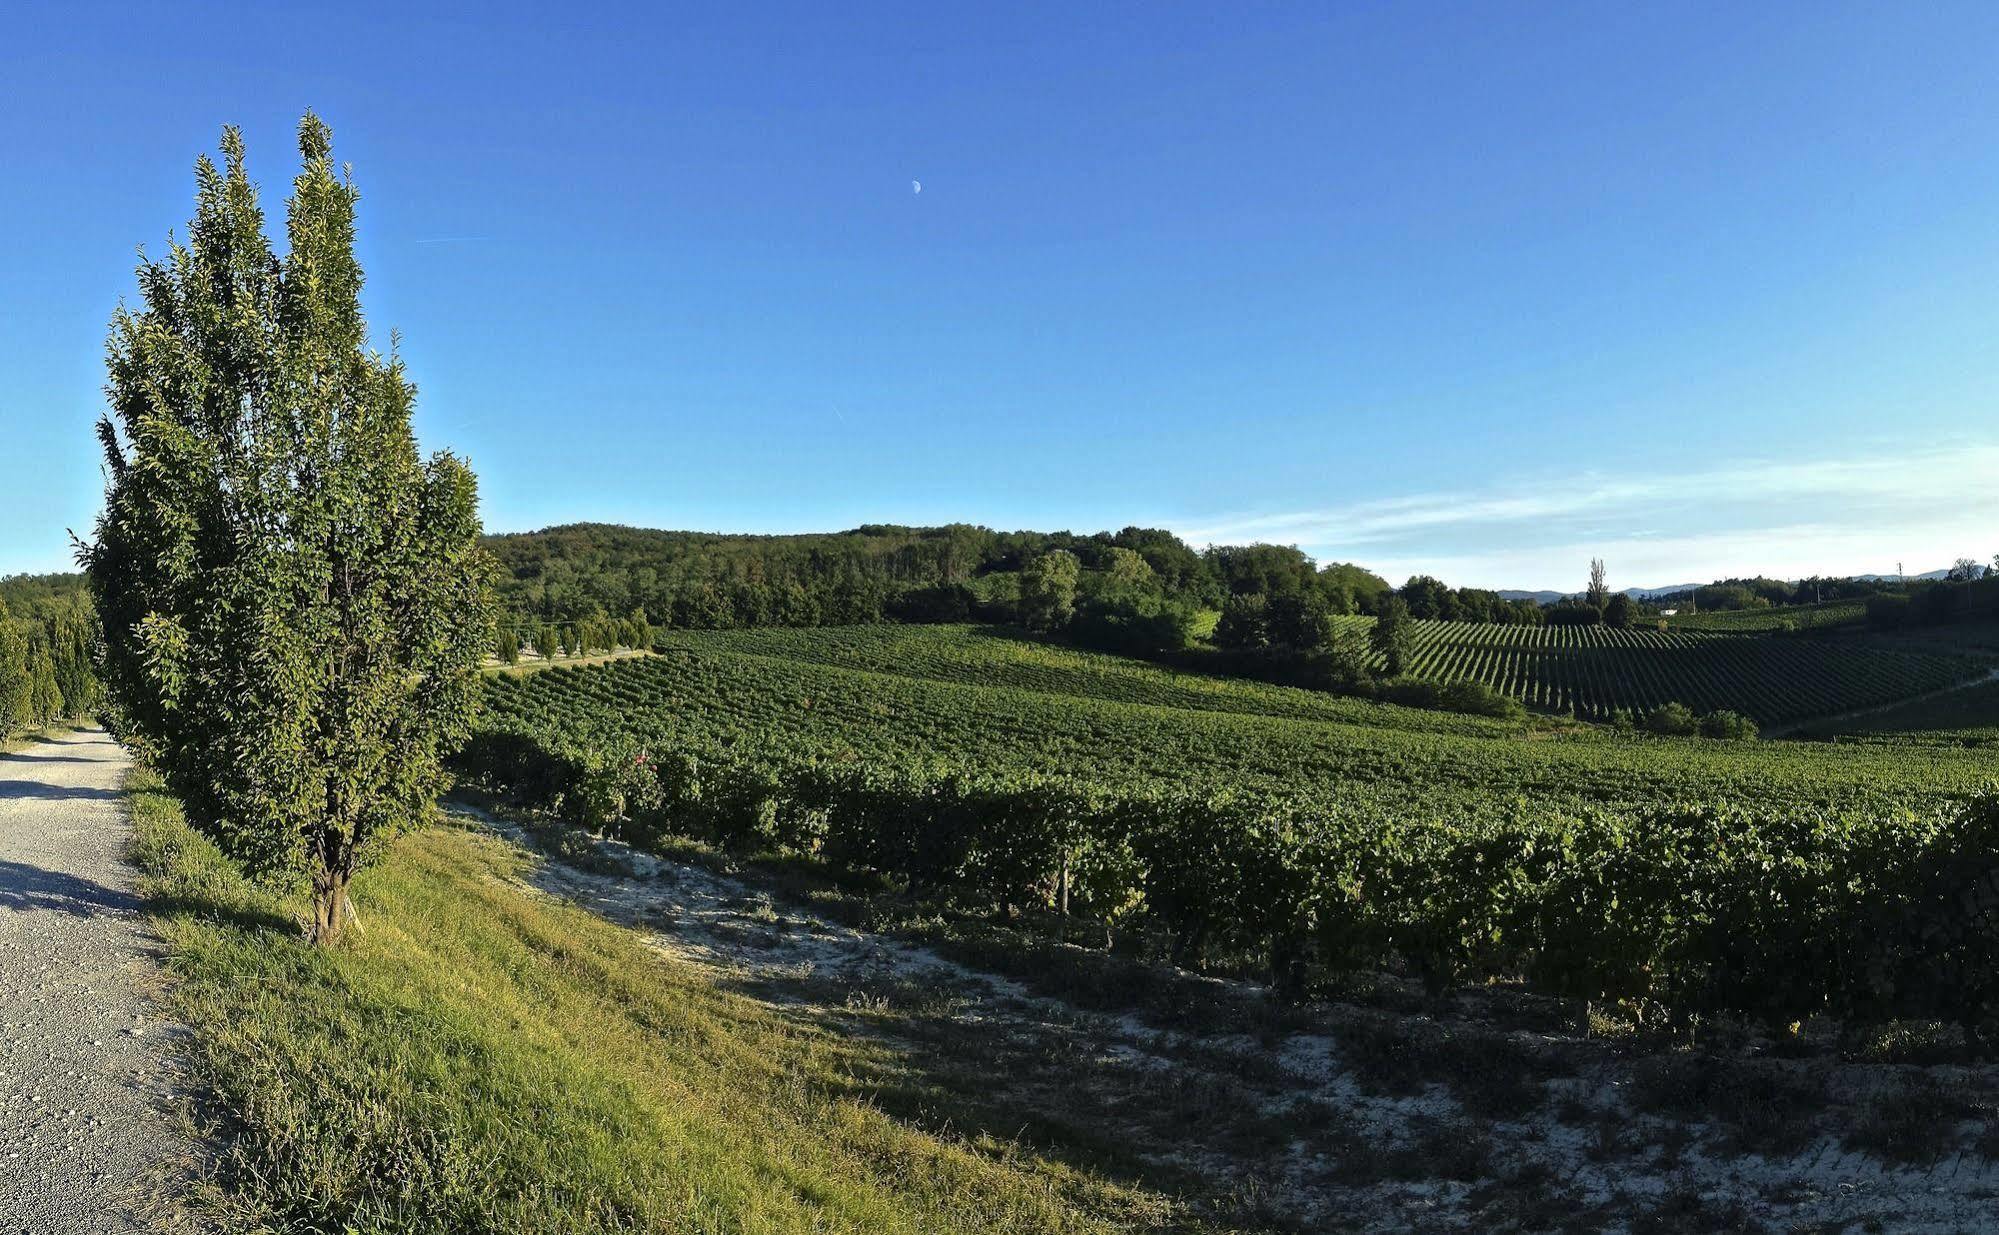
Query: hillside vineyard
(1592, 671)
(1596, 864)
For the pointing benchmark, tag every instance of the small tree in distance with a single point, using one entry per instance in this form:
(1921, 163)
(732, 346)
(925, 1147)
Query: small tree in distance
(294, 601)
(1390, 637)
(1599, 590)
(1048, 590)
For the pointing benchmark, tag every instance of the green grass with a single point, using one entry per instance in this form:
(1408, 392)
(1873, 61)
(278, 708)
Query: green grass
(480, 1058)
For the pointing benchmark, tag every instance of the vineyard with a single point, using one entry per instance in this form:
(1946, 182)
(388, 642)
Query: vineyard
(1961, 718)
(1592, 671)
(1590, 863)
(1825, 615)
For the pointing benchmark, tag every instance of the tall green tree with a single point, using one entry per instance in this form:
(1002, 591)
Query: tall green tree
(16, 679)
(294, 601)
(1390, 637)
(1048, 590)
(45, 701)
(1244, 624)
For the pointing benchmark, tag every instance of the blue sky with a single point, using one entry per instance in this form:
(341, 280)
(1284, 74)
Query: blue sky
(1480, 290)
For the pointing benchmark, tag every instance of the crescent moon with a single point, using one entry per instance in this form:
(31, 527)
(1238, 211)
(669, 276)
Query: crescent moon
(916, 186)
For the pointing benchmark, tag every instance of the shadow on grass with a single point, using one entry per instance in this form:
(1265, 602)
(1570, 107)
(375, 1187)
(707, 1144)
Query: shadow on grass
(184, 875)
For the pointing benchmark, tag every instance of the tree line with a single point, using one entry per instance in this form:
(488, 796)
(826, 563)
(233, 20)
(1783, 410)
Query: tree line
(47, 639)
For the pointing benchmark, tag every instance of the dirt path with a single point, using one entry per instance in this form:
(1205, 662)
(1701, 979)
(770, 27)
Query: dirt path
(80, 1052)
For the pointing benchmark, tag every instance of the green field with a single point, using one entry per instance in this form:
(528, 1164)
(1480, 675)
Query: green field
(1825, 615)
(1590, 671)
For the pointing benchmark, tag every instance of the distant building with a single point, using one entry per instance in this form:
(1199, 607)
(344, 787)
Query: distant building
(1669, 613)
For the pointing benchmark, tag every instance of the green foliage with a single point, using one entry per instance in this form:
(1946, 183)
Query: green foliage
(17, 678)
(1478, 699)
(1389, 636)
(1245, 623)
(1048, 590)
(1727, 724)
(1300, 621)
(1672, 720)
(1889, 612)
(47, 639)
(702, 581)
(293, 600)
(1140, 624)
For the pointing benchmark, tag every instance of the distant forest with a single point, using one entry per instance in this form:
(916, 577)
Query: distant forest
(607, 574)
(47, 637)
(873, 573)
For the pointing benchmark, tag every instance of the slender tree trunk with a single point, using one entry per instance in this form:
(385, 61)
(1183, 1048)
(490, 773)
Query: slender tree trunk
(329, 904)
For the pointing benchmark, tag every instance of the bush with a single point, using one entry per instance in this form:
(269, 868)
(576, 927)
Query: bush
(1674, 719)
(1574, 613)
(1477, 699)
(1409, 693)
(1136, 625)
(946, 602)
(1888, 612)
(1727, 724)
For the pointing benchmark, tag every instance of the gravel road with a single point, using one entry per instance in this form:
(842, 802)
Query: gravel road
(81, 1071)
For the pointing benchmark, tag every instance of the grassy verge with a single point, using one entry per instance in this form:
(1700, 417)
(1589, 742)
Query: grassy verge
(481, 1058)
(21, 740)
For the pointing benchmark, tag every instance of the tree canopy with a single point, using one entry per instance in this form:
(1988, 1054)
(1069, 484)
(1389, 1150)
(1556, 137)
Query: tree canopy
(293, 599)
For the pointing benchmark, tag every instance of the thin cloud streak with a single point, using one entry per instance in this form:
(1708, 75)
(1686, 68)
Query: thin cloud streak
(1778, 516)
(1920, 476)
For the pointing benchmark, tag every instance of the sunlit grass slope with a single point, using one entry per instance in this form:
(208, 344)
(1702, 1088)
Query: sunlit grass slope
(481, 1058)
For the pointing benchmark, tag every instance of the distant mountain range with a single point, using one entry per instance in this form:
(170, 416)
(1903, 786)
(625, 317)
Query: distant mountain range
(1650, 593)
(1636, 593)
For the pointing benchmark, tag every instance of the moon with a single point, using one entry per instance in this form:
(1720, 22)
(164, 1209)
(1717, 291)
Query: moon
(916, 186)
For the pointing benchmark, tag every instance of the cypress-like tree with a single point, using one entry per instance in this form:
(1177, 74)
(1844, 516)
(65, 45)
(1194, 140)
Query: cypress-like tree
(294, 601)
(16, 679)
(45, 701)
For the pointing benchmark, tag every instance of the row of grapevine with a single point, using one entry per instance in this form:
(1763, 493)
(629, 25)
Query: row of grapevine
(1593, 671)
(1781, 913)
(1825, 615)
(1592, 864)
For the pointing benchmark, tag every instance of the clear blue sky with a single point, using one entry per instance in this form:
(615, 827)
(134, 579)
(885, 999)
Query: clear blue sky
(1469, 288)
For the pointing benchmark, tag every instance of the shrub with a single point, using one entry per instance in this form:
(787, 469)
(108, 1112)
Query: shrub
(1887, 612)
(1409, 692)
(1477, 699)
(1727, 724)
(1675, 719)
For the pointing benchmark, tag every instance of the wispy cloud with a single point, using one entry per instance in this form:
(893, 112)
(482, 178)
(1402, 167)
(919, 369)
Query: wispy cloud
(1787, 516)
